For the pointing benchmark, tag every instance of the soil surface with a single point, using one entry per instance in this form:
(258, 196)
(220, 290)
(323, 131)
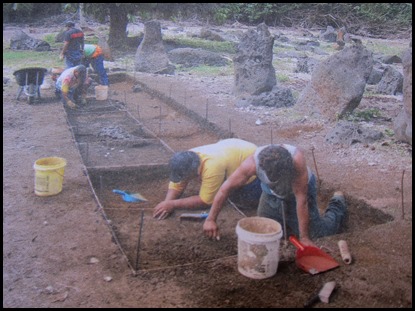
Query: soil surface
(86, 247)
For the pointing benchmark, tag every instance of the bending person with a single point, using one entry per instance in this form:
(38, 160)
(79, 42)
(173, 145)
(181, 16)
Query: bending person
(72, 86)
(94, 56)
(288, 186)
(212, 165)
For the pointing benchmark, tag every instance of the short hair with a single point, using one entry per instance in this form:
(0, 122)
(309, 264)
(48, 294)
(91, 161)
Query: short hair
(277, 163)
(183, 164)
(69, 24)
(82, 72)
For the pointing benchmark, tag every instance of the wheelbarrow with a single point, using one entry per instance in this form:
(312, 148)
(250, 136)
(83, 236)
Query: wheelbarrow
(30, 80)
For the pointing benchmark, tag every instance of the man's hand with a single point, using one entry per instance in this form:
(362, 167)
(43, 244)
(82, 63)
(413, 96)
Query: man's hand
(163, 210)
(307, 242)
(211, 229)
(71, 104)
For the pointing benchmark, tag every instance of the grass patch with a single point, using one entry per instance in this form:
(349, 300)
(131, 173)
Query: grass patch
(24, 59)
(205, 70)
(214, 46)
(282, 77)
(390, 48)
(364, 115)
(285, 64)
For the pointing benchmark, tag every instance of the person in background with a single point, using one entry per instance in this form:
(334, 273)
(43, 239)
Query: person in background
(72, 86)
(93, 55)
(73, 47)
(212, 164)
(288, 188)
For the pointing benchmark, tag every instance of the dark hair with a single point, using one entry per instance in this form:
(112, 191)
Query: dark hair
(69, 24)
(82, 72)
(183, 164)
(277, 163)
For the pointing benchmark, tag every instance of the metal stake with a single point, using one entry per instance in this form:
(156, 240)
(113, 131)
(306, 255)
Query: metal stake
(207, 108)
(160, 122)
(315, 164)
(284, 222)
(86, 153)
(100, 186)
(403, 210)
(139, 239)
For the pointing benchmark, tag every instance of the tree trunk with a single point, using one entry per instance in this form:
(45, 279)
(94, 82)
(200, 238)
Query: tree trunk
(118, 27)
(81, 15)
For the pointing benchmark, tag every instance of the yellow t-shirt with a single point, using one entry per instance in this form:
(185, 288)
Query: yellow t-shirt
(217, 162)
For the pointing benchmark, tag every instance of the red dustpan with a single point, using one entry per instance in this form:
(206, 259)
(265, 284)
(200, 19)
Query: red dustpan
(312, 259)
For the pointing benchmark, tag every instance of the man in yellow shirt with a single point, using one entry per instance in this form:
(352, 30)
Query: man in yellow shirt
(212, 164)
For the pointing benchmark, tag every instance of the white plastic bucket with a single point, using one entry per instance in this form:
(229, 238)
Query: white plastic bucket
(258, 247)
(49, 175)
(101, 92)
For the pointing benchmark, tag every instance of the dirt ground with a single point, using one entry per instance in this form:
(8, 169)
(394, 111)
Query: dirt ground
(85, 247)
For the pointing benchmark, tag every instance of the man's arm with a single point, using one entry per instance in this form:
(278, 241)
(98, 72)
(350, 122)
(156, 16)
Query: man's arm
(238, 179)
(64, 49)
(163, 209)
(300, 189)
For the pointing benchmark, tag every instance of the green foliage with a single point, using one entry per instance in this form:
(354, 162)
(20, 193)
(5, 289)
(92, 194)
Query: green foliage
(19, 12)
(384, 12)
(23, 59)
(282, 77)
(389, 132)
(205, 70)
(363, 115)
(385, 48)
(214, 46)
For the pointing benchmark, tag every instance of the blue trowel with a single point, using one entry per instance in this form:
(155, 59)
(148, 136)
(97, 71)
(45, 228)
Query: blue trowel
(194, 216)
(130, 197)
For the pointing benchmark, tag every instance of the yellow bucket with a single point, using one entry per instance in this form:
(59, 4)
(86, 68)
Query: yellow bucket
(101, 92)
(49, 175)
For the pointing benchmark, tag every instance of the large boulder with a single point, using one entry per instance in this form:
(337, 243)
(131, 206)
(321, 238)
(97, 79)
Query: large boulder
(254, 73)
(338, 83)
(403, 122)
(391, 82)
(21, 41)
(151, 55)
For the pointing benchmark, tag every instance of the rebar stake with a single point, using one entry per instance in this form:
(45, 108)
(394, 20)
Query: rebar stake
(125, 98)
(403, 210)
(271, 136)
(139, 239)
(100, 186)
(315, 165)
(230, 128)
(160, 122)
(86, 153)
(138, 111)
(207, 108)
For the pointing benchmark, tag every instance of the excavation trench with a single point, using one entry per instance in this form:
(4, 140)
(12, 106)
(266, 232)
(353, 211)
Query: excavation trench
(126, 142)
